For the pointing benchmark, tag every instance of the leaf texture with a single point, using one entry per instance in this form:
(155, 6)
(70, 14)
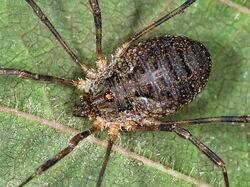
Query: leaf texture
(26, 43)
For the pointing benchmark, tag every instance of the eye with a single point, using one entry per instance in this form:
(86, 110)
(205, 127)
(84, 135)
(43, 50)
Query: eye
(108, 96)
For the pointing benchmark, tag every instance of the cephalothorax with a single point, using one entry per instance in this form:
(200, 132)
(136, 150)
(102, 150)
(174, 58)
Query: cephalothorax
(149, 80)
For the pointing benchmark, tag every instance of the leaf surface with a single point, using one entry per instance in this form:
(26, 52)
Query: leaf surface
(26, 43)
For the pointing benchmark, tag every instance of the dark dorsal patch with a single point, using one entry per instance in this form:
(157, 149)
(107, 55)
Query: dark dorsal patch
(164, 73)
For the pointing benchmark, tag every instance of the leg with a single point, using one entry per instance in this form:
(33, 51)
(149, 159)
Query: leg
(72, 144)
(98, 26)
(120, 51)
(237, 119)
(33, 76)
(210, 154)
(101, 61)
(187, 135)
(89, 72)
(113, 132)
(105, 162)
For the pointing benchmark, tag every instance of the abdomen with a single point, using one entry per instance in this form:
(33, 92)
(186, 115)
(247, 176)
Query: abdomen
(157, 77)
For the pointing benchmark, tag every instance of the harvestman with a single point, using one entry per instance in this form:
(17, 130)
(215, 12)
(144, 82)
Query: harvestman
(152, 79)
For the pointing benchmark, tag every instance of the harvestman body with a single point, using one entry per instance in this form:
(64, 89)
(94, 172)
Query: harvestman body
(152, 79)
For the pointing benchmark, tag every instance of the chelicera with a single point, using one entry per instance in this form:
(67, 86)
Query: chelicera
(151, 79)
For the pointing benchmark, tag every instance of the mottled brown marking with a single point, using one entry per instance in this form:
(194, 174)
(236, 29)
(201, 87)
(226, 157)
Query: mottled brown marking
(155, 78)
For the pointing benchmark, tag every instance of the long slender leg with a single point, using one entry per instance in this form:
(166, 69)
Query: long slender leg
(98, 26)
(72, 144)
(237, 119)
(105, 162)
(101, 61)
(210, 154)
(187, 135)
(142, 32)
(33, 76)
(90, 72)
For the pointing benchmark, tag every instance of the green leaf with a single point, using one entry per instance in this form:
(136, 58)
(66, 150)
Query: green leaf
(26, 43)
